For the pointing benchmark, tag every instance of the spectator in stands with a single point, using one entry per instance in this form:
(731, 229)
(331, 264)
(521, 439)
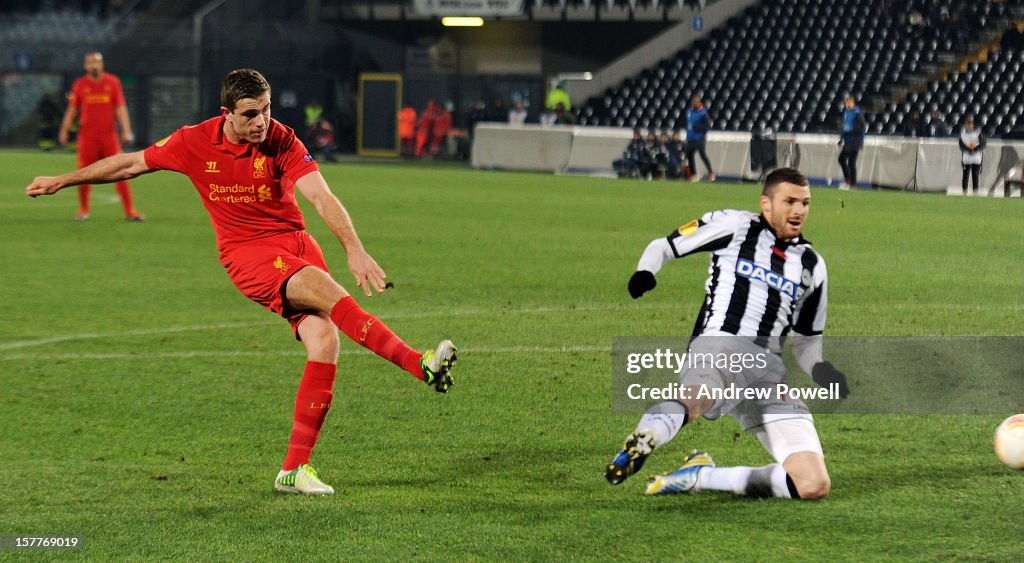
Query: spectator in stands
(548, 117)
(916, 23)
(648, 156)
(960, 31)
(912, 125)
(943, 22)
(498, 113)
(477, 114)
(407, 130)
(852, 140)
(676, 152)
(698, 123)
(1013, 39)
(558, 95)
(313, 112)
(321, 137)
(563, 117)
(629, 165)
(663, 155)
(935, 126)
(517, 115)
(972, 147)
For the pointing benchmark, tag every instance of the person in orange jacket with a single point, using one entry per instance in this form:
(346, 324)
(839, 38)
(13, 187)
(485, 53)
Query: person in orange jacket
(407, 130)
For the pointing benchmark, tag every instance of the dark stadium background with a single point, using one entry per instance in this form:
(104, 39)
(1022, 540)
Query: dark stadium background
(171, 55)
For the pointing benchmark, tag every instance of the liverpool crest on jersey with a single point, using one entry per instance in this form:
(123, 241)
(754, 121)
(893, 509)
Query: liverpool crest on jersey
(259, 167)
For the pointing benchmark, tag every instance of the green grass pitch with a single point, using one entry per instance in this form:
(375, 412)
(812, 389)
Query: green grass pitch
(146, 404)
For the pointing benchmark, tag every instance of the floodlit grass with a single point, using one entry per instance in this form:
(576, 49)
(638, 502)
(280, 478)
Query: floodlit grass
(146, 404)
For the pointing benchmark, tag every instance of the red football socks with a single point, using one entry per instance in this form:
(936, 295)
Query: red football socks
(312, 402)
(83, 199)
(126, 199)
(368, 331)
(123, 190)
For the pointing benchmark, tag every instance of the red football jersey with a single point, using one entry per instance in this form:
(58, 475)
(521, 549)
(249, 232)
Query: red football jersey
(96, 101)
(249, 190)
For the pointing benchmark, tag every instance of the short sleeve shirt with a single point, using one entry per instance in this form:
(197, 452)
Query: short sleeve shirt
(248, 189)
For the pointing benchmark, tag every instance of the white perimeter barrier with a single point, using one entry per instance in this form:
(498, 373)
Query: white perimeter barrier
(930, 165)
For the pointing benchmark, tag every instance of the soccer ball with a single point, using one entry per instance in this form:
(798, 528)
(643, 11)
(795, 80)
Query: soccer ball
(1009, 441)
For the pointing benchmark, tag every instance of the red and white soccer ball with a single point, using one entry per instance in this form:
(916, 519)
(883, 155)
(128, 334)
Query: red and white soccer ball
(1009, 441)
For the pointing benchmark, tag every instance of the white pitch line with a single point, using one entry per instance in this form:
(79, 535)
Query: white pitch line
(101, 356)
(18, 344)
(25, 202)
(944, 306)
(138, 332)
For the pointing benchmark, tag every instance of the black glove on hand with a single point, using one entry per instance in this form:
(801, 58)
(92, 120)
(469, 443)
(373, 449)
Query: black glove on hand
(641, 282)
(825, 373)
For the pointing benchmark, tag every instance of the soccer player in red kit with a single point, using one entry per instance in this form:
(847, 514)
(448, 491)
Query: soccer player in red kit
(96, 100)
(247, 168)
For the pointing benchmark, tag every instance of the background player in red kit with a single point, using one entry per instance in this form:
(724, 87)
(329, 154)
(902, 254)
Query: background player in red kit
(425, 127)
(247, 168)
(96, 100)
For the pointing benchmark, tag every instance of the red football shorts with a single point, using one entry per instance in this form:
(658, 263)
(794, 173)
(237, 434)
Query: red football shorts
(260, 269)
(91, 149)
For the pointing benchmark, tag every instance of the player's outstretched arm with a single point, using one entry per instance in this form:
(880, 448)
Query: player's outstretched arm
(123, 166)
(369, 276)
(807, 350)
(640, 283)
(657, 253)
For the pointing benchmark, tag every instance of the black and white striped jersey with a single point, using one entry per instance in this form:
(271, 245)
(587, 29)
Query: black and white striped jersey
(758, 284)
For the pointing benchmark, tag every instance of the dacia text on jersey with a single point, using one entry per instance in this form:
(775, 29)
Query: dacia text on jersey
(774, 280)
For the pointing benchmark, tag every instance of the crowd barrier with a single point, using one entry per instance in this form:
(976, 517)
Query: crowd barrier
(906, 163)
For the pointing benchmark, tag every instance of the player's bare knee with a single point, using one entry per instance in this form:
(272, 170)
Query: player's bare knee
(815, 488)
(808, 475)
(696, 408)
(320, 337)
(313, 288)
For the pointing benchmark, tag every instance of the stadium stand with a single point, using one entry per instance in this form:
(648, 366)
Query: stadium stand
(533, 10)
(787, 65)
(989, 91)
(46, 42)
(51, 33)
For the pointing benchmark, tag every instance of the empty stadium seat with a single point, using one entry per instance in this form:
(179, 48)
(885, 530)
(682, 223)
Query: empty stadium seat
(779, 49)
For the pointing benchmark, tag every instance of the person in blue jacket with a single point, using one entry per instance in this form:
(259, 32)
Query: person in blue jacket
(852, 140)
(698, 123)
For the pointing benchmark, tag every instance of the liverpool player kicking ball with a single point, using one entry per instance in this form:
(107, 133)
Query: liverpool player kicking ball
(247, 168)
(766, 282)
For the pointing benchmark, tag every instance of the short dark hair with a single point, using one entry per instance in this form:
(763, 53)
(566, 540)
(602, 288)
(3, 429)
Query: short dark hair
(240, 84)
(783, 176)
